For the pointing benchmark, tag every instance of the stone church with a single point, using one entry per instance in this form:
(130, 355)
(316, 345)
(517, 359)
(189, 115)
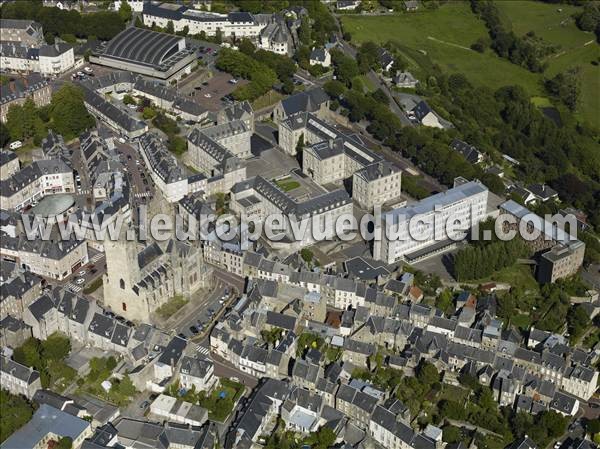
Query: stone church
(141, 278)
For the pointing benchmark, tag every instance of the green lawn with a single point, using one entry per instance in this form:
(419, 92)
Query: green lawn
(443, 36)
(577, 48)
(267, 99)
(515, 275)
(522, 321)
(171, 306)
(287, 184)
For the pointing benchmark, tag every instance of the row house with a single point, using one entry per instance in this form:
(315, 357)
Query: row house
(19, 379)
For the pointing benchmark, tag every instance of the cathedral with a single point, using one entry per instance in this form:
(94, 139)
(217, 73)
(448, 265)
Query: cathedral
(139, 279)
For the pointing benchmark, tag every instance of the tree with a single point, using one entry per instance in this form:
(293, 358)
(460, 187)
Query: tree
(128, 99)
(16, 411)
(219, 36)
(28, 353)
(368, 57)
(125, 11)
(380, 97)
(577, 322)
(170, 28)
(444, 301)
(68, 113)
(451, 434)
(56, 347)
(346, 68)
(148, 113)
(246, 46)
(566, 87)
(427, 373)
(304, 31)
(334, 88)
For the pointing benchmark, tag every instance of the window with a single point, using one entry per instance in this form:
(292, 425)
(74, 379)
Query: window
(124, 305)
(122, 283)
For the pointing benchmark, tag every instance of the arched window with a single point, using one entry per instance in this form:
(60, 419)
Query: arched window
(122, 284)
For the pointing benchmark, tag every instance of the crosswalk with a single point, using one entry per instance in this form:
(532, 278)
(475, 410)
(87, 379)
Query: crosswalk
(143, 195)
(96, 257)
(85, 191)
(74, 288)
(203, 350)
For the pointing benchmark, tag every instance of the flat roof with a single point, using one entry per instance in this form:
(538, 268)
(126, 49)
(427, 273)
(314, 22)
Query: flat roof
(442, 199)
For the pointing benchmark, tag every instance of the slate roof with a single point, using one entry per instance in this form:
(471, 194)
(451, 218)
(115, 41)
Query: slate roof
(172, 353)
(15, 369)
(307, 101)
(46, 420)
(20, 87)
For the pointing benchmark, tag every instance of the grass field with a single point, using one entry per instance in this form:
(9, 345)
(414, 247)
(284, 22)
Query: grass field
(287, 184)
(443, 37)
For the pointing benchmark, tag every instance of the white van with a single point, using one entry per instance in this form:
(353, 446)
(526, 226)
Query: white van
(15, 145)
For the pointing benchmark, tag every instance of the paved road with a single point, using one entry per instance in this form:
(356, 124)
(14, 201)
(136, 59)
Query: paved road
(225, 369)
(230, 279)
(199, 312)
(377, 82)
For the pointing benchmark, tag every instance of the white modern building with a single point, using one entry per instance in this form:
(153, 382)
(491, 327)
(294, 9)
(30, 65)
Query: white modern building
(234, 24)
(412, 232)
(49, 60)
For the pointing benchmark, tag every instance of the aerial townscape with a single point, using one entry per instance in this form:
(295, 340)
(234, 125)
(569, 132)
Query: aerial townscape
(299, 224)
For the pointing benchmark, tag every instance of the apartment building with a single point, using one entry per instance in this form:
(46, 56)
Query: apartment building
(165, 171)
(275, 37)
(49, 60)
(198, 373)
(27, 32)
(315, 101)
(34, 181)
(54, 260)
(215, 161)
(19, 379)
(19, 289)
(233, 25)
(238, 111)
(404, 237)
(116, 118)
(18, 90)
(376, 184)
(9, 164)
(169, 99)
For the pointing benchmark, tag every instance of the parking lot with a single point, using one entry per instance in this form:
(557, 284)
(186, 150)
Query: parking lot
(208, 94)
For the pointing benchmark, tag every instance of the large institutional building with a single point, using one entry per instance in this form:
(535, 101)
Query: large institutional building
(560, 254)
(147, 52)
(465, 205)
(257, 198)
(330, 157)
(139, 280)
(234, 24)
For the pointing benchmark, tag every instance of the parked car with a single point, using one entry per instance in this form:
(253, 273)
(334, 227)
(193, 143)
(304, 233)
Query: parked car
(194, 330)
(208, 95)
(79, 281)
(15, 145)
